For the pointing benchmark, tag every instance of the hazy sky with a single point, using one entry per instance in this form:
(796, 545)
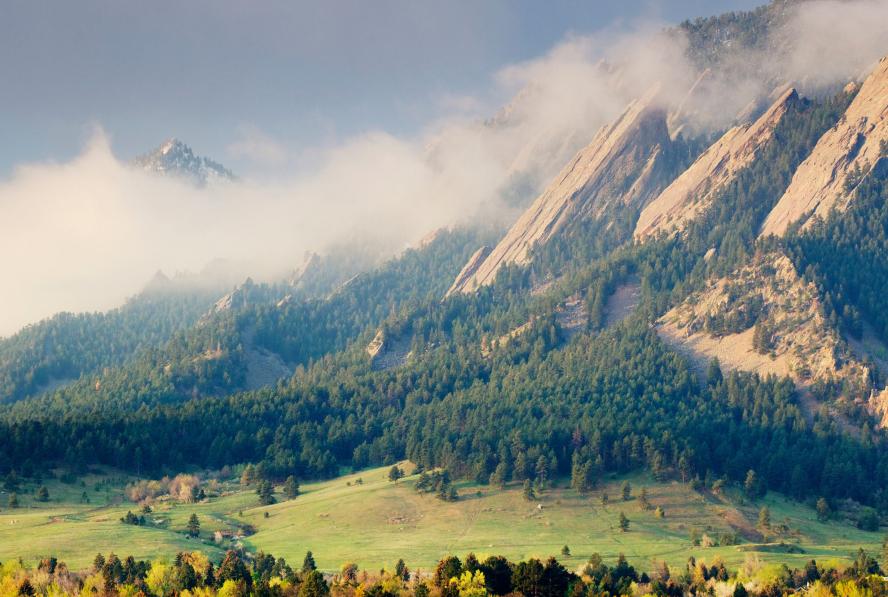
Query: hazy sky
(242, 80)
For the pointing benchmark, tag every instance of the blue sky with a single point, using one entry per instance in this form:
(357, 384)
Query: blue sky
(306, 74)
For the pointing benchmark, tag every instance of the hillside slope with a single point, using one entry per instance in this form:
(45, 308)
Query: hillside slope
(364, 518)
(766, 319)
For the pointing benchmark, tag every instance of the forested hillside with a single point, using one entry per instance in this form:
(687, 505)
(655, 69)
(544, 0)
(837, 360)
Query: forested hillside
(533, 371)
(59, 350)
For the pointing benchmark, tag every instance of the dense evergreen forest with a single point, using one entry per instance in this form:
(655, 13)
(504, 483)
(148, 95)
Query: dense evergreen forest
(66, 346)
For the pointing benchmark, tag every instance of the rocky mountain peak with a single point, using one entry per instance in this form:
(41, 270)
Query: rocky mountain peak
(175, 158)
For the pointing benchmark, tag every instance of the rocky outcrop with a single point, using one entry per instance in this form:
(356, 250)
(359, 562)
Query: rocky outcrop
(842, 156)
(465, 280)
(621, 167)
(766, 319)
(311, 261)
(694, 190)
(622, 302)
(572, 316)
(387, 353)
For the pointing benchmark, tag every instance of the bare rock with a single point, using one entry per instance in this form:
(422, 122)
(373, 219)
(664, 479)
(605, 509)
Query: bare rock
(465, 281)
(852, 146)
(693, 192)
(620, 168)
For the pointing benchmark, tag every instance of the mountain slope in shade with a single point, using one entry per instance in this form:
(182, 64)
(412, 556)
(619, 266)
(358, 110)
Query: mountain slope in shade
(842, 156)
(693, 191)
(174, 158)
(621, 167)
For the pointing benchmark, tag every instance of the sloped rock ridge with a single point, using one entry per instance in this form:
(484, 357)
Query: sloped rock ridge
(696, 188)
(621, 168)
(854, 148)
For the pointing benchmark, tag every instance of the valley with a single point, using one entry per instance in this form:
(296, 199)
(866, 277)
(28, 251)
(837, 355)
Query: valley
(365, 518)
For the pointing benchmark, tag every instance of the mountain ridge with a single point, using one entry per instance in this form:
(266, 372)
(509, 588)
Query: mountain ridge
(844, 155)
(175, 158)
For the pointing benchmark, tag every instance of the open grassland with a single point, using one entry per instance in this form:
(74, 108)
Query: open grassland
(364, 518)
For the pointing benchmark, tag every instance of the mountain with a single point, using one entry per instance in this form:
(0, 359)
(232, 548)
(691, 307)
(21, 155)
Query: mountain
(633, 318)
(855, 148)
(622, 168)
(693, 191)
(174, 158)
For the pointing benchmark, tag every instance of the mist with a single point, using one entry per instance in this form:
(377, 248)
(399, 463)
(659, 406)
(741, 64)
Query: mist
(86, 234)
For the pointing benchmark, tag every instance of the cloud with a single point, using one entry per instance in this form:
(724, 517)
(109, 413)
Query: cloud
(256, 146)
(832, 40)
(85, 234)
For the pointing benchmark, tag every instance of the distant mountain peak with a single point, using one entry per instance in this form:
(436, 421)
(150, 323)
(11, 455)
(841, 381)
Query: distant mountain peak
(175, 158)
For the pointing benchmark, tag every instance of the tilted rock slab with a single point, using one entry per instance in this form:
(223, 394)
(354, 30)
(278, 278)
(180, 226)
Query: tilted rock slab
(818, 184)
(620, 167)
(696, 188)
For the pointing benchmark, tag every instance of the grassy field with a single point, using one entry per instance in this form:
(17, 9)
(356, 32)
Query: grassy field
(375, 522)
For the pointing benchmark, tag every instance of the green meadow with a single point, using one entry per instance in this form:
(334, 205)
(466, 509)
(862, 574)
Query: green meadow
(364, 518)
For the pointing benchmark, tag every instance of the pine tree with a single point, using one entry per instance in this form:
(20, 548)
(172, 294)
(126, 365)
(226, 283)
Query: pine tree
(627, 491)
(291, 487)
(529, 494)
(542, 472)
(580, 476)
(823, 510)
(193, 526)
(500, 475)
(43, 494)
(714, 374)
(13, 501)
(753, 486)
(764, 518)
(624, 523)
(11, 483)
(395, 473)
(314, 585)
(401, 570)
(265, 491)
(308, 563)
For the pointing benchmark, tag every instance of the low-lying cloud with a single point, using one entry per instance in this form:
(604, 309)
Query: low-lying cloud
(86, 234)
